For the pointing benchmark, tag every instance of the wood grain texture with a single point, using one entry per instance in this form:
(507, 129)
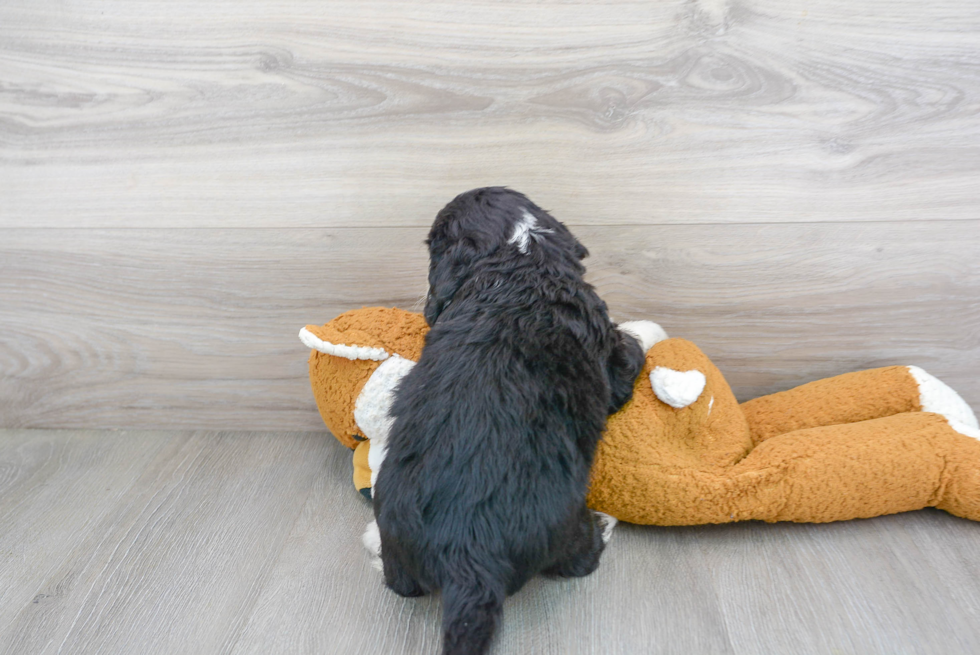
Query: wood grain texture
(176, 565)
(775, 578)
(183, 185)
(197, 328)
(165, 114)
(236, 543)
(56, 490)
(323, 597)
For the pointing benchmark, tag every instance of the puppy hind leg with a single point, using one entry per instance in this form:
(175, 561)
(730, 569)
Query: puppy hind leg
(399, 580)
(581, 556)
(384, 558)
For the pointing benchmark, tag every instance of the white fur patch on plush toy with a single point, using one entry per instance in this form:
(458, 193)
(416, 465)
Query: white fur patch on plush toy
(647, 333)
(373, 405)
(677, 388)
(341, 350)
(936, 397)
(372, 542)
(964, 429)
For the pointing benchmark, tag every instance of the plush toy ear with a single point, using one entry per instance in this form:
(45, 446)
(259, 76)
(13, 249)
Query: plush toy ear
(347, 351)
(325, 339)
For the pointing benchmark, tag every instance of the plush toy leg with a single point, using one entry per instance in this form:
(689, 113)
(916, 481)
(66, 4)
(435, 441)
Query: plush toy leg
(699, 418)
(854, 397)
(882, 466)
(649, 437)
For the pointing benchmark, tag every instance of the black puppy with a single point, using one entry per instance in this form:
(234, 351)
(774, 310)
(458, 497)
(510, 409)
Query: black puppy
(495, 428)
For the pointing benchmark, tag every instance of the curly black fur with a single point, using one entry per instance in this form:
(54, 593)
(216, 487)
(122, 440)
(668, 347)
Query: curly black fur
(495, 428)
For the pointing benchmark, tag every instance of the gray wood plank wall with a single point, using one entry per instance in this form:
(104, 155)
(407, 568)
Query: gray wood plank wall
(793, 185)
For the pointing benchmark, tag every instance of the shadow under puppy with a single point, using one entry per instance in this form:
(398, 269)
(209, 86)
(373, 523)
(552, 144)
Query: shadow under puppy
(495, 428)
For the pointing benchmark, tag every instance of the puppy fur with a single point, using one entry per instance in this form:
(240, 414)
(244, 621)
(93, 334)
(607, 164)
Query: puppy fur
(495, 428)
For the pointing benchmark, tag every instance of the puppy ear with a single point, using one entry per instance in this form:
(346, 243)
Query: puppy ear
(580, 251)
(447, 272)
(562, 235)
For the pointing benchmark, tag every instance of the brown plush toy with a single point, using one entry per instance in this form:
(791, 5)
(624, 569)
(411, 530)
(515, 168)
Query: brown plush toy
(683, 451)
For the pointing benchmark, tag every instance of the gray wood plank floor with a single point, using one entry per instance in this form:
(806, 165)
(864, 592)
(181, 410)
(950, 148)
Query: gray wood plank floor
(248, 542)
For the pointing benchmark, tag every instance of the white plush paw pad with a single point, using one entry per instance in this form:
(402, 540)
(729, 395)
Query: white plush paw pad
(937, 397)
(608, 523)
(646, 332)
(963, 428)
(677, 388)
(372, 542)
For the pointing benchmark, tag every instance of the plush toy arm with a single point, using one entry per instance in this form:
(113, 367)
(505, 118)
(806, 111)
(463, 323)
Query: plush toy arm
(882, 466)
(853, 397)
(647, 333)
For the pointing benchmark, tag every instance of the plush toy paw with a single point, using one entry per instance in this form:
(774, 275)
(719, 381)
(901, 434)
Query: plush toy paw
(935, 396)
(964, 429)
(646, 332)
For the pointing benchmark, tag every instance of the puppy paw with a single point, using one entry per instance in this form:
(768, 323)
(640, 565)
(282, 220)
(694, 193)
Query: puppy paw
(372, 542)
(646, 332)
(608, 523)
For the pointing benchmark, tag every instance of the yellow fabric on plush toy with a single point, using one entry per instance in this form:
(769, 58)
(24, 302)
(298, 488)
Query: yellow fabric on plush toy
(684, 452)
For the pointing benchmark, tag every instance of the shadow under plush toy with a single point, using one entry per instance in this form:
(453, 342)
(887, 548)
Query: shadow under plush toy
(683, 451)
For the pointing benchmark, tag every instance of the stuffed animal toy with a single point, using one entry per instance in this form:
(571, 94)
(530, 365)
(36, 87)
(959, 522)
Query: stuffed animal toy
(683, 451)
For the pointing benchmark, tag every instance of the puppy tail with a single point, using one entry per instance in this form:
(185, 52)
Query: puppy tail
(472, 607)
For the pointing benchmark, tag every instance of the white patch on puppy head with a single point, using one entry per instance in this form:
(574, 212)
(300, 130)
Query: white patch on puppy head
(937, 397)
(372, 542)
(342, 350)
(646, 332)
(525, 230)
(677, 388)
(373, 406)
